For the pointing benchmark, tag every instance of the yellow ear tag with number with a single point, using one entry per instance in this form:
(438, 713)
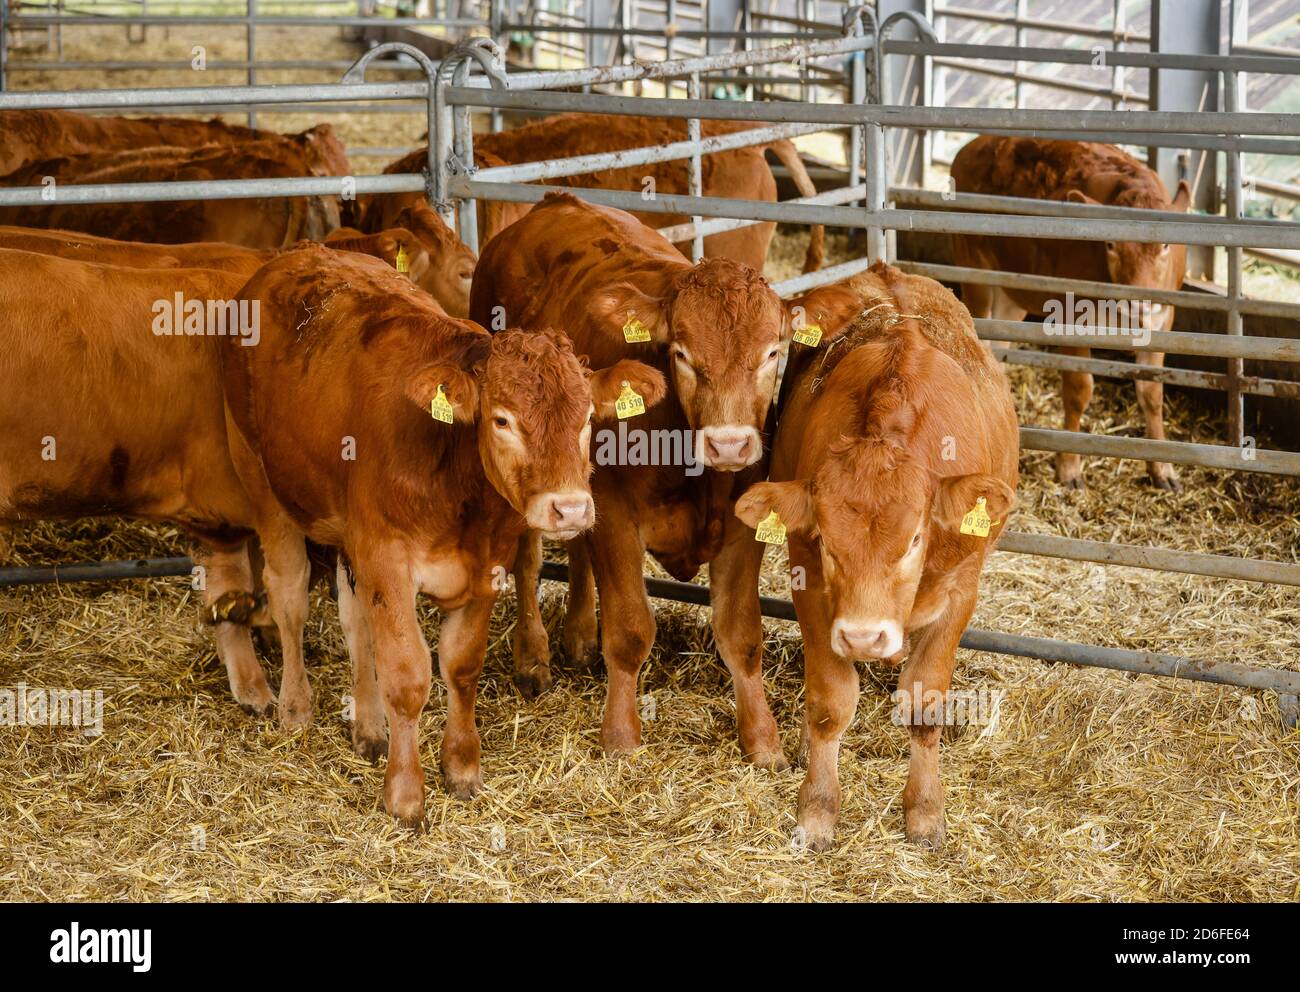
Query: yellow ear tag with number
(440, 407)
(635, 332)
(809, 334)
(403, 260)
(630, 403)
(770, 530)
(976, 523)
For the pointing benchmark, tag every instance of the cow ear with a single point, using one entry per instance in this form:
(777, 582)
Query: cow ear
(957, 495)
(627, 311)
(460, 388)
(607, 386)
(792, 502)
(1079, 196)
(1183, 198)
(831, 308)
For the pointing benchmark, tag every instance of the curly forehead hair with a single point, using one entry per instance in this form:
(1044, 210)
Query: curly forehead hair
(540, 376)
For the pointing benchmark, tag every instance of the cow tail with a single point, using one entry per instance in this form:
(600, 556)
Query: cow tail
(789, 156)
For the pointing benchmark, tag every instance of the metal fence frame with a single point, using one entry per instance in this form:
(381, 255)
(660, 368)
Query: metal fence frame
(450, 91)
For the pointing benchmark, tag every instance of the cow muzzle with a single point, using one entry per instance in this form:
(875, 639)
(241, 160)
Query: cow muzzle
(866, 640)
(729, 448)
(561, 516)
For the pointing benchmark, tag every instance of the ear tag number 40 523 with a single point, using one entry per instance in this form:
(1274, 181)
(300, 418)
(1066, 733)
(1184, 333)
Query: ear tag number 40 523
(976, 523)
(440, 407)
(770, 530)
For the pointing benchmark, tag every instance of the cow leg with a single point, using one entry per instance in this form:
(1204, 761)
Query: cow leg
(580, 632)
(738, 631)
(229, 572)
(1076, 394)
(402, 665)
(1151, 400)
(627, 627)
(830, 700)
(928, 673)
(462, 647)
(287, 574)
(6, 546)
(530, 646)
(369, 735)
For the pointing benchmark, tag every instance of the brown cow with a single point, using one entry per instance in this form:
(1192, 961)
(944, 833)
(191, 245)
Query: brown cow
(888, 438)
(261, 223)
(741, 173)
(106, 416)
(34, 135)
(429, 273)
(334, 441)
(718, 332)
(1075, 172)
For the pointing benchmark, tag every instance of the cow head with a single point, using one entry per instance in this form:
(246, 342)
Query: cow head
(446, 267)
(533, 403)
(724, 331)
(1142, 265)
(874, 512)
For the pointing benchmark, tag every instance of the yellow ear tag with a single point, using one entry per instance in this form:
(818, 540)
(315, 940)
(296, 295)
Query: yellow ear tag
(770, 530)
(403, 259)
(440, 407)
(630, 403)
(635, 332)
(976, 523)
(809, 334)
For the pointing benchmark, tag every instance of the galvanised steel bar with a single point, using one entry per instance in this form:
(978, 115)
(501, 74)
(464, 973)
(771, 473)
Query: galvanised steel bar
(239, 20)
(1233, 207)
(1233, 459)
(1254, 385)
(684, 232)
(1169, 342)
(212, 189)
(1156, 559)
(206, 97)
(1182, 232)
(100, 571)
(1084, 288)
(696, 166)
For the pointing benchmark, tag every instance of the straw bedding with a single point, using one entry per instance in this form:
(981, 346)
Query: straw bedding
(1090, 785)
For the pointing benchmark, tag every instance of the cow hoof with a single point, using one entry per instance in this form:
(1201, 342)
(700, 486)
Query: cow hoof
(1167, 483)
(583, 658)
(926, 832)
(370, 747)
(769, 760)
(818, 839)
(262, 710)
(1073, 484)
(463, 786)
(532, 684)
(408, 812)
(295, 714)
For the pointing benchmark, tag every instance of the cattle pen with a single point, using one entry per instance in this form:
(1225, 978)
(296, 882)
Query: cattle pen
(873, 77)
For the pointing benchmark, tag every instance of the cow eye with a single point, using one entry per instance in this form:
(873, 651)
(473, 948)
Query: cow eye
(501, 423)
(916, 541)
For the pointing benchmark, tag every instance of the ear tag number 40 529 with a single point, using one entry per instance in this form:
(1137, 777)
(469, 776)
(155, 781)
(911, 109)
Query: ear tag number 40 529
(440, 407)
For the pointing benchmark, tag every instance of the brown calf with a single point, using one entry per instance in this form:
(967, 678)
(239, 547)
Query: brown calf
(105, 417)
(887, 440)
(741, 173)
(717, 332)
(1076, 172)
(33, 135)
(252, 223)
(334, 440)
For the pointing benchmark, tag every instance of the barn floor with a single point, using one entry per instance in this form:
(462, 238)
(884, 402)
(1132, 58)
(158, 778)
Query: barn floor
(1091, 785)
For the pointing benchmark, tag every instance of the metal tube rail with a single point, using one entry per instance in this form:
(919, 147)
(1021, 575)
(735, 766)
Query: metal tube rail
(1167, 342)
(684, 232)
(1230, 457)
(210, 189)
(1282, 681)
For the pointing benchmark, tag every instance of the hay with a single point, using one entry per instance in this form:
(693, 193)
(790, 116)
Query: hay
(1092, 785)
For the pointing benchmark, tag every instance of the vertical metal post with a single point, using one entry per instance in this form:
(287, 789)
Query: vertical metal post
(1022, 11)
(463, 143)
(1118, 81)
(251, 48)
(904, 80)
(697, 167)
(1189, 27)
(877, 176)
(4, 43)
(857, 94)
(1236, 401)
(670, 21)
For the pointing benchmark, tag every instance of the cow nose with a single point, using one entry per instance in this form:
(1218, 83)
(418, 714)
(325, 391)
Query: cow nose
(569, 513)
(728, 448)
(855, 640)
